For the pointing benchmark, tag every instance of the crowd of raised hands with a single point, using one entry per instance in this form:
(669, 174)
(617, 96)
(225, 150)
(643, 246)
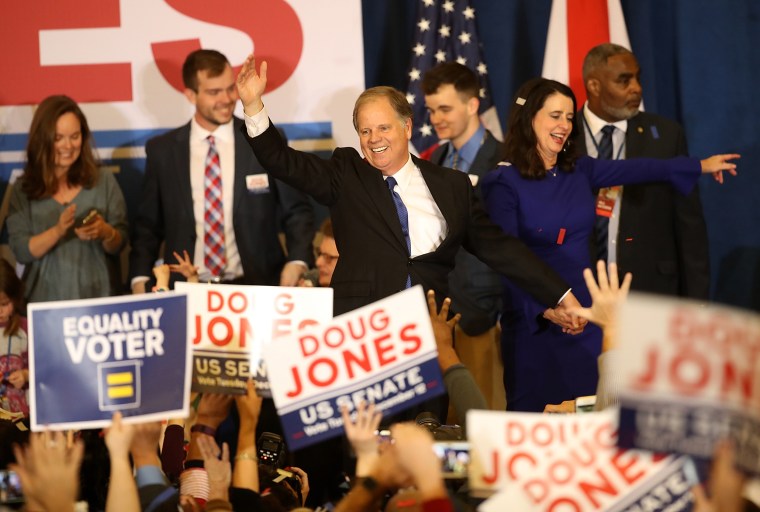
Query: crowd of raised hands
(151, 473)
(49, 465)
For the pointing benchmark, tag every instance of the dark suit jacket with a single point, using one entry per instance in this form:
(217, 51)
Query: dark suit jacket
(166, 212)
(662, 238)
(474, 288)
(373, 261)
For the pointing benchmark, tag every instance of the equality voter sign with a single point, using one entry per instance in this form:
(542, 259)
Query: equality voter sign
(91, 358)
(230, 324)
(383, 353)
(690, 376)
(569, 463)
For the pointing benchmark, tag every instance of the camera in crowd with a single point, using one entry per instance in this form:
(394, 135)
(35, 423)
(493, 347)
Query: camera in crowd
(272, 456)
(440, 432)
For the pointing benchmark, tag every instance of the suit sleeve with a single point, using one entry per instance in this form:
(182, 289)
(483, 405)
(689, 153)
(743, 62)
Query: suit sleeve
(148, 230)
(510, 257)
(305, 172)
(297, 216)
(691, 240)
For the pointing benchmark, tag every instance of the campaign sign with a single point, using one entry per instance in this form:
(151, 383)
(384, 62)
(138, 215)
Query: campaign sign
(383, 353)
(90, 358)
(569, 462)
(229, 325)
(690, 376)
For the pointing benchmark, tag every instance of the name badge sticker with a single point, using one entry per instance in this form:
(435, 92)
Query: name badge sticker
(257, 183)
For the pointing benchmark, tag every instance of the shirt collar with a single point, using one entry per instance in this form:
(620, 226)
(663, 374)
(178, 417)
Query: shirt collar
(224, 132)
(404, 175)
(596, 123)
(469, 150)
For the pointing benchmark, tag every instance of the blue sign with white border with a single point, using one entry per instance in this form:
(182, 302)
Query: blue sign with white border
(90, 358)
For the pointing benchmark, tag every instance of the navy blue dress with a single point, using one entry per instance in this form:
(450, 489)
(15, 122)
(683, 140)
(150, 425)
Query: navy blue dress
(555, 216)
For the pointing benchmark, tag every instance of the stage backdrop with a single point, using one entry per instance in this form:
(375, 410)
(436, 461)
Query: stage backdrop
(121, 60)
(700, 62)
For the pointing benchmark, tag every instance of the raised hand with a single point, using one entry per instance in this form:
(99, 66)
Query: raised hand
(251, 85)
(184, 266)
(361, 435)
(716, 164)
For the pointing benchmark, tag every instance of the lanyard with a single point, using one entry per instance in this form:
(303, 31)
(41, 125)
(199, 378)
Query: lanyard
(596, 144)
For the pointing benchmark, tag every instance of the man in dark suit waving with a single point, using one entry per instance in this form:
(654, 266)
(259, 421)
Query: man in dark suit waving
(227, 221)
(651, 230)
(398, 220)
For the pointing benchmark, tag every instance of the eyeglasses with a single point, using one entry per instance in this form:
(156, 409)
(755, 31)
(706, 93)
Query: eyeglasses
(328, 257)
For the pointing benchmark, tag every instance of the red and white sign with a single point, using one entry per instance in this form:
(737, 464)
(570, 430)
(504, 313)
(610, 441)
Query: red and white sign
(690, 376)
(383, 353)
(230, 325)
(122, 59)
(541, 462)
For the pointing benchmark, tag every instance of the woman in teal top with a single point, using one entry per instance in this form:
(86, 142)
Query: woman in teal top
(65, 213)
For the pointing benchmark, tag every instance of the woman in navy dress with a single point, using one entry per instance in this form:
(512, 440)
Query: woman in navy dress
(544, 196)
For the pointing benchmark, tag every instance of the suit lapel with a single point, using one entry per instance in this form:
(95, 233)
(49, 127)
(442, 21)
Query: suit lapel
(182, 170)
(635, 137)
(481, 166)
(378, 193)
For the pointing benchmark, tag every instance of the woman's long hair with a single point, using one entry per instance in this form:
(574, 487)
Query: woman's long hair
(39, 178)
(520, 143)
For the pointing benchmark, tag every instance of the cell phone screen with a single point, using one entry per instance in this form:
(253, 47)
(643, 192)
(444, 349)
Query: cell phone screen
(454, 457)
(10, 488)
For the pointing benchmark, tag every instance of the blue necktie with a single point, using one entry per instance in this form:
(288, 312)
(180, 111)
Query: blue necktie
(602, 222)
(403, 217)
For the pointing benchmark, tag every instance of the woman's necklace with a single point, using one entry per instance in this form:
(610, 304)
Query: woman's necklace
(553, 171)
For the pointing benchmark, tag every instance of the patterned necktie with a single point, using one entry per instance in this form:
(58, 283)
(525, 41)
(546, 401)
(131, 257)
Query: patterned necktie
(453, 158)
(602, 222)
(403, 217)
(213, 221)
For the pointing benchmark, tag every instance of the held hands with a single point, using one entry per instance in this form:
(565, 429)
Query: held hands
(716, 164)
(251, 85)
(565, 315)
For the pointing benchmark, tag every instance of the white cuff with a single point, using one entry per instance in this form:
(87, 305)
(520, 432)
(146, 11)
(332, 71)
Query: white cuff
(257, 123)
(563, 296)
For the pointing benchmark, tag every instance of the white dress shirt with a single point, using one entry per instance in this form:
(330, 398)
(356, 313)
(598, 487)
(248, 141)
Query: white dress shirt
(427, 227)
(224, 137)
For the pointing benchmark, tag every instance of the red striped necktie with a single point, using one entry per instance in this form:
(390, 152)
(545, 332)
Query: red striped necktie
(213, 221)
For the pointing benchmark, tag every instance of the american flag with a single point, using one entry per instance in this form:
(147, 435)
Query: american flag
(446, 31)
